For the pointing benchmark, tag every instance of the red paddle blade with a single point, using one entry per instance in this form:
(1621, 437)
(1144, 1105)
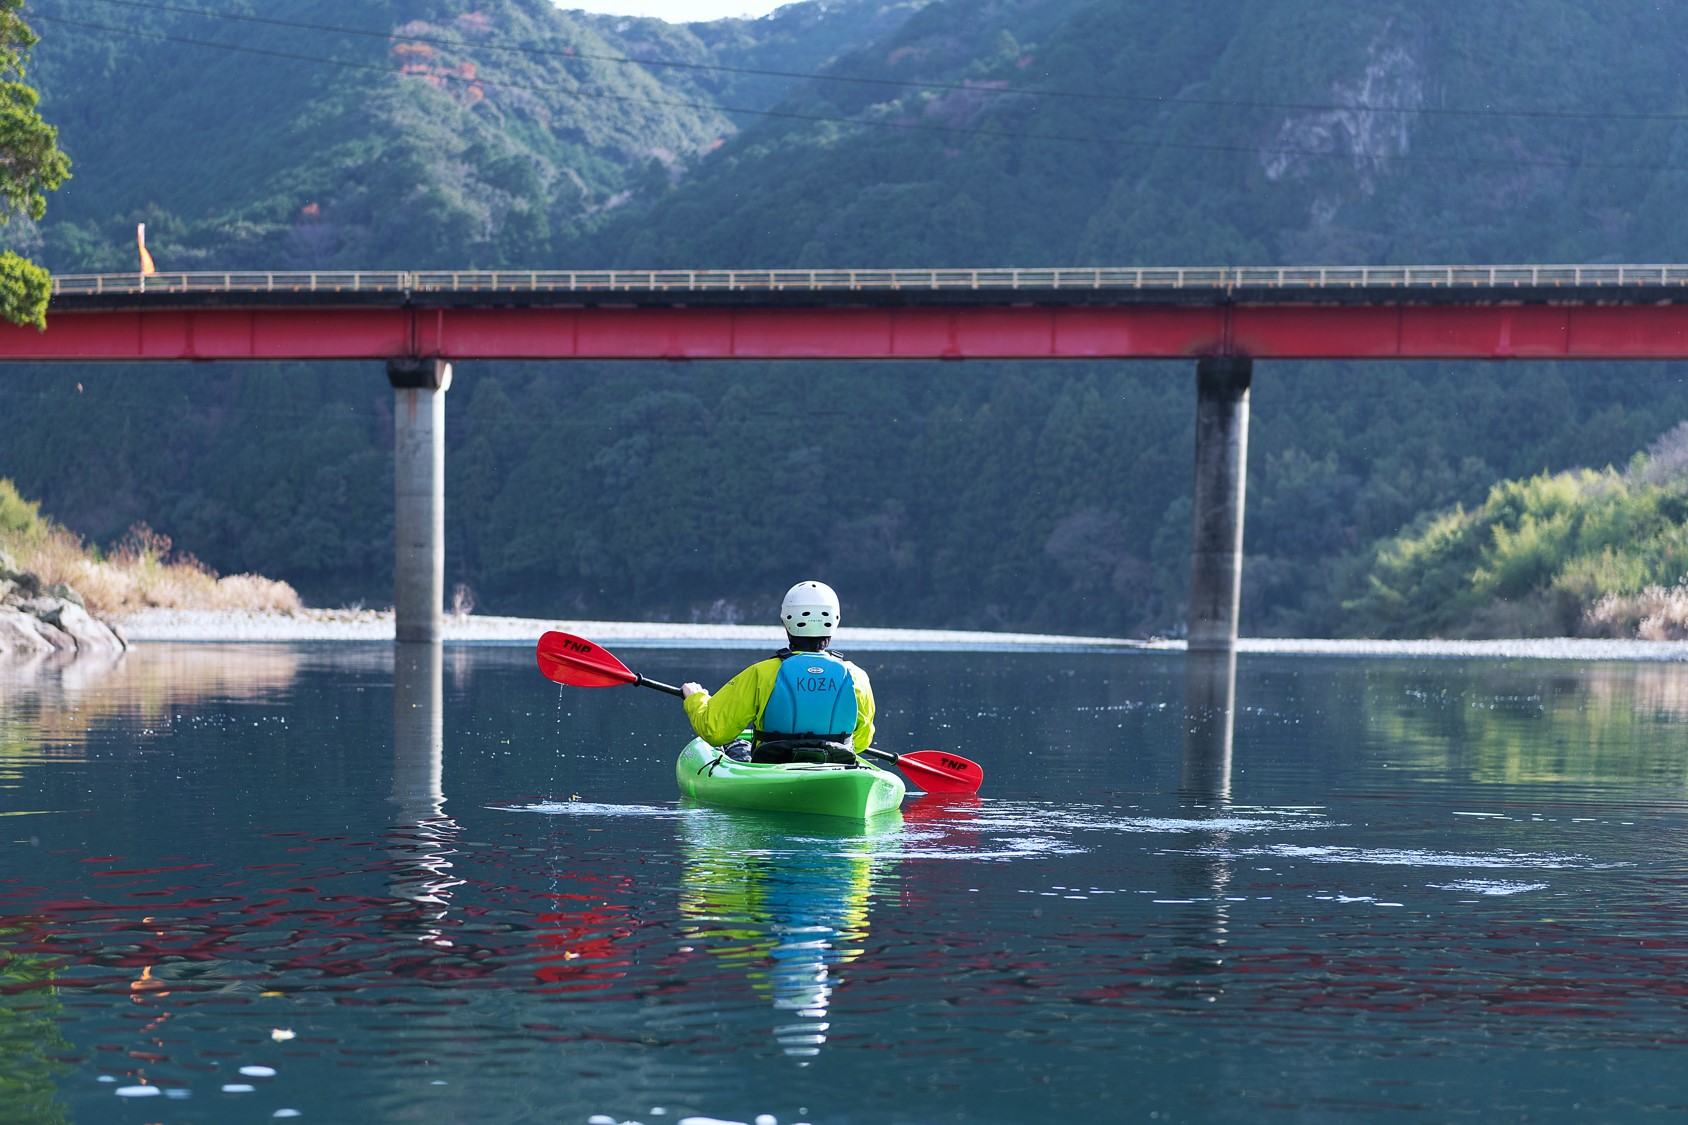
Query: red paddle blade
(578, 662)
(939, 771)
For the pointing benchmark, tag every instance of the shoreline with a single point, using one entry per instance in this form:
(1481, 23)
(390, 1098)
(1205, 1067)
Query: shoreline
(164, 626)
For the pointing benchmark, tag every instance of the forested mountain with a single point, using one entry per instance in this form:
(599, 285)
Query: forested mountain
(955, 132)
(1079, 132)
(390, 133)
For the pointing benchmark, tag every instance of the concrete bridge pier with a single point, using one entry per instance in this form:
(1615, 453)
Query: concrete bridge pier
(419, 387)
(1216, 516)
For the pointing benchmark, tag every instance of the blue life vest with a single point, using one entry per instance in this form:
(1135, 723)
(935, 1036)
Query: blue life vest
(813, 696)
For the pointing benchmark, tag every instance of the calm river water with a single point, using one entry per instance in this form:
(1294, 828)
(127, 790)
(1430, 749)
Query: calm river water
(241, 883)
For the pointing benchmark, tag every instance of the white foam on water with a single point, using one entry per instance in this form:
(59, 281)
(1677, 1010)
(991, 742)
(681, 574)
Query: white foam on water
(1230, 824)
(285, 1113)
(258, 1071)
(1016, 816)
(1369, 900)
(138, 1091)
(1408, 857)
(1495, 887)
(1013, 830)
(594, 808)
(237, 1088)
(995, 851)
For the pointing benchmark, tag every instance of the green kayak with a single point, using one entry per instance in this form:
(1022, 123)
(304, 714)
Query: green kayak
(858, 792)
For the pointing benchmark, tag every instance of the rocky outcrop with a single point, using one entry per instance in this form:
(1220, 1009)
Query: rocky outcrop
(37, 621)
(1369, 122)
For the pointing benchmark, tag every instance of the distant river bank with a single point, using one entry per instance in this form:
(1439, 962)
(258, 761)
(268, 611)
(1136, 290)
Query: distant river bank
(218, 626)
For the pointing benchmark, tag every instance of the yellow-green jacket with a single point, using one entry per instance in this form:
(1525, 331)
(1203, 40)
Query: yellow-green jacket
(738, 706)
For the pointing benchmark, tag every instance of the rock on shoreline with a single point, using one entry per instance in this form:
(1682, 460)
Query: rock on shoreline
(39, 622)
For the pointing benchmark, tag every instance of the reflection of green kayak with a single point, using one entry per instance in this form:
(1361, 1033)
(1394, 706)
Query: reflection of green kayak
(858, 791)
(784, 899)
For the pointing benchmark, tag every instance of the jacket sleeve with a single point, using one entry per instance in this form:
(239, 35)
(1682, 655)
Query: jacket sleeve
(719, 718)
(864, 709)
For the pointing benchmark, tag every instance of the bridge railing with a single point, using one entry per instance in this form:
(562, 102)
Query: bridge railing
(235, 281)
(1202, 278)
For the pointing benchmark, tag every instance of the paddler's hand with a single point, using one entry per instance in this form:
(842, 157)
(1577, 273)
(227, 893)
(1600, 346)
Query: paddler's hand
(687, 690)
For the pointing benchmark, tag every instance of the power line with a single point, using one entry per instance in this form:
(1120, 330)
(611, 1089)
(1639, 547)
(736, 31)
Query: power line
(915, 84)
(901, 126)
(71, 393)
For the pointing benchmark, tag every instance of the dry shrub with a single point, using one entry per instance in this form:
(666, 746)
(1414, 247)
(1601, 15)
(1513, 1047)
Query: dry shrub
(462, 601)
(1657, 613)
(55, 556)
(140, 574)
(122, 586)
(1666, 459)
(256, 594)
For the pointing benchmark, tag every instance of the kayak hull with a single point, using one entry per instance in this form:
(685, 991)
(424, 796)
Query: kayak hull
(854, 792)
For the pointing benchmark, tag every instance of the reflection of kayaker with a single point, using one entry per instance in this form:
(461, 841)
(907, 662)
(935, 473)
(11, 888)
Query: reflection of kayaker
(803, 704)
(786, 901)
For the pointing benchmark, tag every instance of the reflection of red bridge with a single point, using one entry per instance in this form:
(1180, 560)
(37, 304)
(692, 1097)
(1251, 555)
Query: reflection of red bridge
(420, 321)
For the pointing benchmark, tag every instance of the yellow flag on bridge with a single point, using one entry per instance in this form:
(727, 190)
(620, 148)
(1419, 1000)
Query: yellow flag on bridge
(141, 242)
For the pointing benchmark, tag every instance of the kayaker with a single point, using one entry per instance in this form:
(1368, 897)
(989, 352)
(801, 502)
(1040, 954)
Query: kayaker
(803, 704)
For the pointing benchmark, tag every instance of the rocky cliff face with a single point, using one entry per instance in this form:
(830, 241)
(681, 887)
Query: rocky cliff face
(1371, 128)
(38, 622)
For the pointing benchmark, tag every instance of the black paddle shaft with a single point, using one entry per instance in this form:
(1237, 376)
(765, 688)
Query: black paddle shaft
(643, 681)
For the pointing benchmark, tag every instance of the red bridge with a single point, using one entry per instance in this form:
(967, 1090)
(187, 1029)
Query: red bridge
(418, 322)
(1401, 312)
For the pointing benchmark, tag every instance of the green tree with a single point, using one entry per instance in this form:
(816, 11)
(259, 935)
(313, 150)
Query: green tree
(31, 165)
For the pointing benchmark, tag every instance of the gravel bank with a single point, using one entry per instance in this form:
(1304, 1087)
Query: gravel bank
(169, 625)
(1542, 648)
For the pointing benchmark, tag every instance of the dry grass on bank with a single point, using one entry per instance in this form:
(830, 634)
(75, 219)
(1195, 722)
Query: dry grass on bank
(141, 572)
(1657, 613)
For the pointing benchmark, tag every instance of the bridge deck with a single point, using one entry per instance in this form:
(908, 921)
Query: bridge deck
(1569, 312)
(1082, 285)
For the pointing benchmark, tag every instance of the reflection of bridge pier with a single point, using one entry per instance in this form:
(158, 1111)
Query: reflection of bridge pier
(1210, 695)
(418, 731)
(1210, 680)
(422, 838)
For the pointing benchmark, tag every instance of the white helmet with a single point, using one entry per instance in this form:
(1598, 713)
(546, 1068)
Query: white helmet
(810, 609)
